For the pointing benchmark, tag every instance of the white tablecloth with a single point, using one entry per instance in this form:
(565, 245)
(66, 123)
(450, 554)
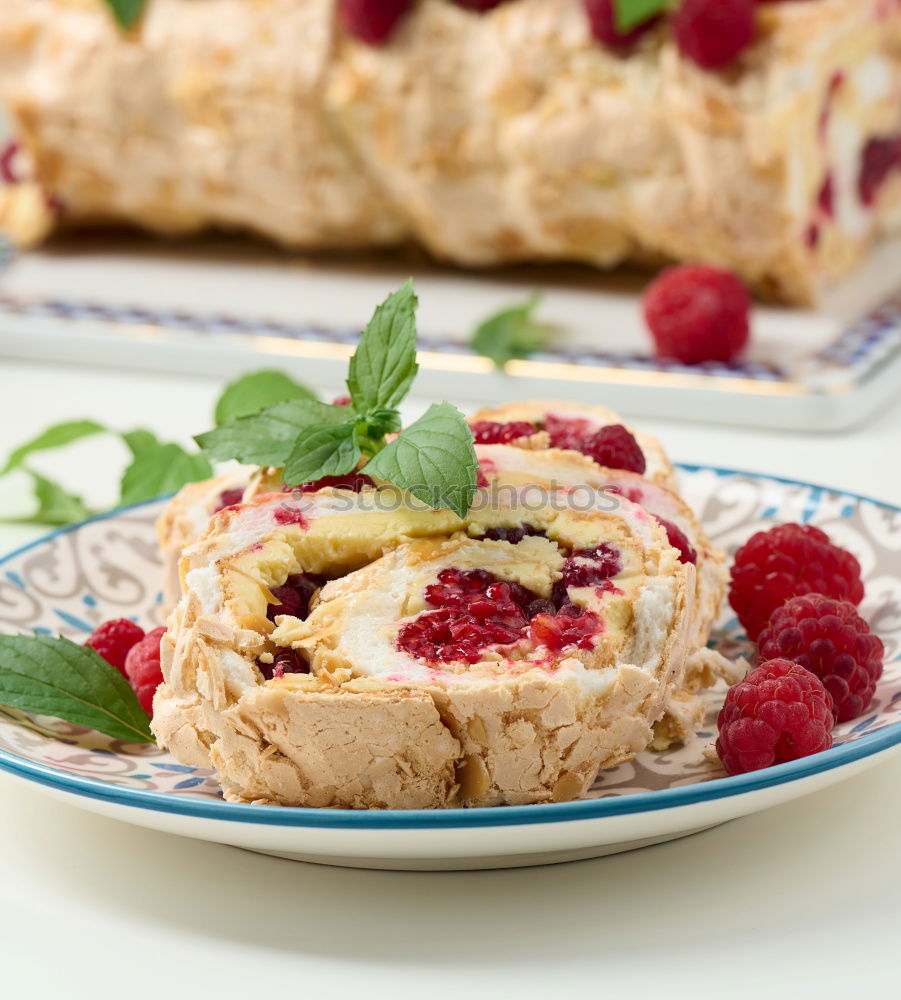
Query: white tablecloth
(803, 898)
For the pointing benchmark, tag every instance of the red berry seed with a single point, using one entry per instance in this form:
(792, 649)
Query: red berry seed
(788, 561)
(113, 640)
(831, 640)
(142, 668)
(779, 712)
(698, 313)
(712, 33)
(372, 21)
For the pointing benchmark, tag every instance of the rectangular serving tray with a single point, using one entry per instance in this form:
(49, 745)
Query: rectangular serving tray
(221, 306)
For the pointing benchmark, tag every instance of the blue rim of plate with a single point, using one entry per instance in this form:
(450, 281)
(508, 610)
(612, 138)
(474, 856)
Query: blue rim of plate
(394, 819)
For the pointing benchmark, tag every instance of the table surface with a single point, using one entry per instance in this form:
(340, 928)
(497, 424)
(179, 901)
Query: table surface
(802, 896)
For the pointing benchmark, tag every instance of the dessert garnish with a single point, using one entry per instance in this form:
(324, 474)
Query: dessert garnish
(433, 458)
(50, 675)
(779, 712)
(698, 313)
(512, 333)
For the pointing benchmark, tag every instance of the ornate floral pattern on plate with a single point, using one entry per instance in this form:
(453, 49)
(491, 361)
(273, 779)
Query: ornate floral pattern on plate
(109, 567)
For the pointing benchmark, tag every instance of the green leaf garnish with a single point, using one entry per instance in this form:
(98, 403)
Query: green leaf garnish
(512, 333)
(55, 505)
(268, 438)
(257, 391)
(631, 13)
(433, 458)
(322, 450)
(126, 12)
(54, 437)
(54, 676)
(384, 364)
(157, 469)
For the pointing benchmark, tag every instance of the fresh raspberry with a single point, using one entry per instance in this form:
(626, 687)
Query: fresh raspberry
(354, 481)
(601, 16)
(113, 639)
(779, 712)
(698, 313)
(616, 448)
(679, 541)
(714, 32)
(142, 668)
(372, 21)
(228, 498)
(492, 432)
(784, 562)
(831, 640)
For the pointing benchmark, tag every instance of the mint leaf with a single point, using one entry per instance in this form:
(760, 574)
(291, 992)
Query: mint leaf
(511, 333)
(384, 363)
(54, 437)
(268, 438)
(256, 391)
(159, 469)
(433, 458)
(54, 505)
(322, 450)
(631, 13)
(54, 676)
(140, 442)
(126, 12)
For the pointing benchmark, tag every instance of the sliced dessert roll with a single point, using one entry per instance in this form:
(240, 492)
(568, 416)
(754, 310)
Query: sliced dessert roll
(594, 431)
(186, 516)
(360, 650)
(578, 481)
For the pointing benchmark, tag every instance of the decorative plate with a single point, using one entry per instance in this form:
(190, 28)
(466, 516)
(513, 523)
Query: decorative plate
(108, 567)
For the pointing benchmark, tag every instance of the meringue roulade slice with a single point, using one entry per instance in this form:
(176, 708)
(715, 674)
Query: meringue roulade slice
(504, 466)
(186, 516)
(594, 431)
(362, 651)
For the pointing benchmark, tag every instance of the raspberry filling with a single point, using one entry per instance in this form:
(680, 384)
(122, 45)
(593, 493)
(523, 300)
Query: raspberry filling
(294, 596)
(477, 610)
(290, 515)
(514, 535)
(285, 661)
(353, 481)
(493, 432)
(679, 541)
(228, 498)
(613, 446)
(880, 159)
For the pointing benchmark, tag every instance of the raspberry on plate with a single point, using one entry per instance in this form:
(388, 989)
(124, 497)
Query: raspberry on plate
(142, 668)
(784, 562)
(698, 313)
(779, 712)
(113, 639)
(831, 640)
(714, 32)
(372, 21)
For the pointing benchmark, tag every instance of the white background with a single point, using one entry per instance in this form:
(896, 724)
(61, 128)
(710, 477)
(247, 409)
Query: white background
(801, 900)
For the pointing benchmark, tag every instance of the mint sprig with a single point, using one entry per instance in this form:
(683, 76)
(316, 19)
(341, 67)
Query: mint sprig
(54, 676)
(254, 391)
(631, 13)
(434, 458)
(512, 333)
